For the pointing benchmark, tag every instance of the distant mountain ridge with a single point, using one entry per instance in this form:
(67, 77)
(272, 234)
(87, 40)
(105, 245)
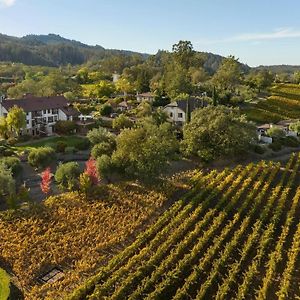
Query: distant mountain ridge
(53, 50)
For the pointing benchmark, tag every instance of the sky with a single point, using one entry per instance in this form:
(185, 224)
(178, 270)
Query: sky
(258, 32)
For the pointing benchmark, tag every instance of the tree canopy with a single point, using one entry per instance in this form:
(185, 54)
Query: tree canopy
(216, 131)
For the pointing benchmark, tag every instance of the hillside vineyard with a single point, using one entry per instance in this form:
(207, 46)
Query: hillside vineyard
(235, 235)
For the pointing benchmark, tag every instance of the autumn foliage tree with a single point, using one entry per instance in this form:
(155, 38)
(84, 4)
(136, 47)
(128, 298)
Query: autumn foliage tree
(91, 170)
(46, 181)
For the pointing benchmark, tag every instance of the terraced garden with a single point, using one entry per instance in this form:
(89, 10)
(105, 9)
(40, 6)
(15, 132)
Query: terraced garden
(235, 235)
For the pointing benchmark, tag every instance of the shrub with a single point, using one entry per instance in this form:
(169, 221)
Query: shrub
(105, 110)
(276, 146)
(12, 141)
(65, 127)
(61, 146)
(290, 141)
(259, 149)
(8, 152)
(70, 150)
(51, 145)
(83, 145)
(24, 138)
(102, 148)
(41, 157)
(11, 163)
(67, 175)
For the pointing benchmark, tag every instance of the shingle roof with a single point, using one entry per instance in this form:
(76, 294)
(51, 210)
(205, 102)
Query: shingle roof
(31, 103)
(148, 94)
(194, 103)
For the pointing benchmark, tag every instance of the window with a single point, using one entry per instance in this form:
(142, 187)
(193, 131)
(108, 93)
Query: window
(49, 111)
(180, 115)
(45, 111)
(55, 118)
(54, 111)
(171, 114)
(27, 122)
(50, 119)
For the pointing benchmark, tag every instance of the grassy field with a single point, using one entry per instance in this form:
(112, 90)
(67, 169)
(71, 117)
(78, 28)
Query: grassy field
(4, 285)
(283, 103)
(71, 141)
(235, 235)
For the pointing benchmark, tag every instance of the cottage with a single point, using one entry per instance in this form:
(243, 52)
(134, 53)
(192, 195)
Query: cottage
(123, 106)
(41, 112)
(177, 110)
(149, 97)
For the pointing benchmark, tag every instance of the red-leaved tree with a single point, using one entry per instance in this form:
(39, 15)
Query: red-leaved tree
(91, 170)
(46, 181)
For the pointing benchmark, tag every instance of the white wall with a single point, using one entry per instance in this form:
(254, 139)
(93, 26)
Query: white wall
(175, 111)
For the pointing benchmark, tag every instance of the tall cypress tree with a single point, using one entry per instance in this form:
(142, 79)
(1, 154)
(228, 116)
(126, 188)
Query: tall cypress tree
(214, 97)
(188, 111)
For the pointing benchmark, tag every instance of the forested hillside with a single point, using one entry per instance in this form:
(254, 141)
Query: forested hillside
(53, 50)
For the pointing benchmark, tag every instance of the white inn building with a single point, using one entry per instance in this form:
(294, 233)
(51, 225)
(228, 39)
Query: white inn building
(41, 112)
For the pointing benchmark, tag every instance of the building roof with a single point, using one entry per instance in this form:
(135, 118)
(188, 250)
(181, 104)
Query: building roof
(123, 104)
(30, 103)
(285, 122)
(194, 103)
(264, 126)
(70, 111)
(148, 94)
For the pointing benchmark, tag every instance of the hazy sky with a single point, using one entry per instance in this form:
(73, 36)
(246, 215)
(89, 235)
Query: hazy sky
(257, 32)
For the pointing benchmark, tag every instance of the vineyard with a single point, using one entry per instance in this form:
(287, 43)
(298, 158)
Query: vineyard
(235, 235)
(284, 103)
(76, 235)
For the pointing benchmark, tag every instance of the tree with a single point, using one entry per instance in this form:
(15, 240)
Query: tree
(41, 157)
(122, 122)
(65, 127)
(3, 128)
(216, 131)
(7, 184)
(124, 85)
(275, 132)
(144, 151)
(85, 184)
(228, 76)
(16, 119)
(105, 166)
(104, 89)
(91, 170)
(46, 181)
(102, 148)
(295, 127)
(177, 81)
(183, 52)
(67, 175)
(99, 135)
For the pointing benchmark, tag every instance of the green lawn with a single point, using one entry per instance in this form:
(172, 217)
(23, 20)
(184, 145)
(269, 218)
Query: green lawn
(71, 141)
(4, 285)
